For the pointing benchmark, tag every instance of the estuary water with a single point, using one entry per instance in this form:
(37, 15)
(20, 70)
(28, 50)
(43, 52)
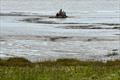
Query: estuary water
(91, 31)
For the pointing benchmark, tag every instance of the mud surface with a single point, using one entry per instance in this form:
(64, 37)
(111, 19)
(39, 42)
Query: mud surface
(91, 31)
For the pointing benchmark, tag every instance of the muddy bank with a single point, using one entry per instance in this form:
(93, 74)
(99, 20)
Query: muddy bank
(57, 38)
(23, 14)
(47, 20)
(49, 39)
(90, 27)
(41, 48)
(75, 26)
(44, 21)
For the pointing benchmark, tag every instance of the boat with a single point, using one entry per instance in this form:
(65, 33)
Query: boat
(60, 14)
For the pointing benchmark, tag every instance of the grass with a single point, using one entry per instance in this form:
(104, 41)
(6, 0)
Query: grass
(62, 69)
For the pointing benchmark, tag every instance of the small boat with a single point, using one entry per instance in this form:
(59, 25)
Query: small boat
(60, 14)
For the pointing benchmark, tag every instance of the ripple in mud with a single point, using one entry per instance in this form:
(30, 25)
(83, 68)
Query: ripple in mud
(79, 27)
(52, 38)
(116, 27)
(42, 38)
(38, 20)
(56, 38)
(116, 34)
(32, 20)
(114, 52)
(45, 20)
(89, 27)
(111, 24)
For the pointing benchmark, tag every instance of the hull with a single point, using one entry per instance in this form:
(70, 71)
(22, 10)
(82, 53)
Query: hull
(58, 17)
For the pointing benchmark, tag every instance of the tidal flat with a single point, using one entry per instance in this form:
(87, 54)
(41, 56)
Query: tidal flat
(83, 46)
(90, 32)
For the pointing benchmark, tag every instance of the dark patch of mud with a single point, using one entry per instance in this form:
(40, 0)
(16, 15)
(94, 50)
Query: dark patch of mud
(41, 21)
(116, 34)
(111, 24)
(65, 51)
(52, 38)
(79, 27)
(56, 38)
(12, 14)
(116, 27)
(84, 39)
(22, 14)
(32, 37)
(2, 40)
(114, 52)
(89, 27)
(38, 20)
(98, 39)
(31, 20)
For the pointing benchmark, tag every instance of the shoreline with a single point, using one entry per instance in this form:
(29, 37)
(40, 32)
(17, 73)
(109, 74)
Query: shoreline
(20, 61)
(62, 69)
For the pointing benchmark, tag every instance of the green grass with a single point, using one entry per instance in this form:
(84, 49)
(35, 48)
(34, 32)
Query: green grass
(62, 69)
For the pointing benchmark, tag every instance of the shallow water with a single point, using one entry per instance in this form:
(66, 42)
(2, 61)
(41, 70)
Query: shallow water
(91, 32)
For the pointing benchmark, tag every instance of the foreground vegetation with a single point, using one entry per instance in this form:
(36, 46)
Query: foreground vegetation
(62, 69)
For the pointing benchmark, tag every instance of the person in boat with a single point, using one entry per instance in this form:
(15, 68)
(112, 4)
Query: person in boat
(57, 14)
(64, 13)
(61, 13)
